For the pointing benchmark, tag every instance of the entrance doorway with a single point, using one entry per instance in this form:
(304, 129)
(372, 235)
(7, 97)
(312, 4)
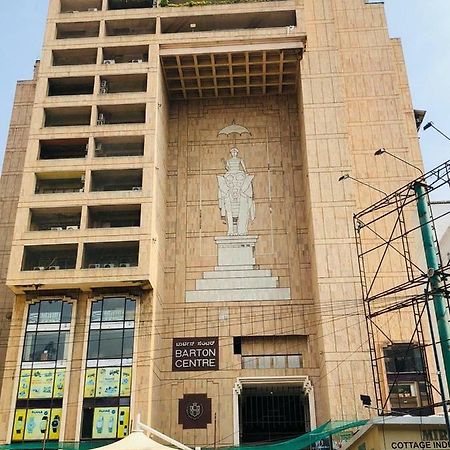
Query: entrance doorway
(270, 413)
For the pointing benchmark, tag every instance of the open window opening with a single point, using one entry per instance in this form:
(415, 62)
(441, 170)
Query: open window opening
(117, 55)
(63, 148)
(74, 57)
(130, 27)
(67, 116)
(108, 255)
(76, 30)
(49, 257)
(114, 216)
(117, 114)
(55, 219)
(112, 84)
(75, 6)
(59, 183)
(119, 146)
(70, 86)
(117, 180)
(129, 4)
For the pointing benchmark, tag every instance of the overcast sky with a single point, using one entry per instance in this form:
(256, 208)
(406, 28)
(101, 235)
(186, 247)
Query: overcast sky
(424, 27)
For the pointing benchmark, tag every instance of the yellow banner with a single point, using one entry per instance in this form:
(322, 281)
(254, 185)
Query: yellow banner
(89, 383)
(125, 382)
(42, 383)
(35, 420)
(105, 423)
(24, 384)
(108, 379)
(124, 421)
(19, 425)
(58, 388)
(55, 424)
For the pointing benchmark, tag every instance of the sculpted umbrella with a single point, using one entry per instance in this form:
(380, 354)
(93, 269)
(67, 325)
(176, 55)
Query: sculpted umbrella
(136, 440)
(233, 129)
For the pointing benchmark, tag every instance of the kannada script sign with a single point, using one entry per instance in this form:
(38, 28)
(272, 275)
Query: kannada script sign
(195, 354)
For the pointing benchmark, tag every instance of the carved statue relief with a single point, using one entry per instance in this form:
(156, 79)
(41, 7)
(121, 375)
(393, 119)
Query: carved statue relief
(236, 196)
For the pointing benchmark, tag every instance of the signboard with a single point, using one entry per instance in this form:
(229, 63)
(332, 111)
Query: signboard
(194, 411)
(108, 380)
(194, 354)
(105, 423)
(42, 383)
(33, 424)
(89, 383)
(124, 420)
(58, 388)
(19, 424)
(125, 382)
(24, 384)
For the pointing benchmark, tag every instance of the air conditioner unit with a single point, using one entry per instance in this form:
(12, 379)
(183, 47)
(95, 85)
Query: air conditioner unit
(81, 190)
(38, 268)
(124, 264)
(104, 87)
(99, 147)
(75, 11)
(136, 60)
(92, 9)
(101, 119)
(136, 188)
(72, 227)
(53, 267)
(56, 228)
(109, 265)
(95, 266)
(109, 61)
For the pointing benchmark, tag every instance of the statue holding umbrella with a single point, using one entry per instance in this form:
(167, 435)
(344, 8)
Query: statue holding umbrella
(236, 203)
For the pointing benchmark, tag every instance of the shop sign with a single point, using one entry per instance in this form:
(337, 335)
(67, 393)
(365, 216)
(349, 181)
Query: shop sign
(194, 411)
(24, 384)
(42, 383)
(33, 424)
(105, 423)
(108, 380)
(194, 354)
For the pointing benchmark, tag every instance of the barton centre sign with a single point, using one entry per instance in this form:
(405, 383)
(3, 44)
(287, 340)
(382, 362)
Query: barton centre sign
(195, 354)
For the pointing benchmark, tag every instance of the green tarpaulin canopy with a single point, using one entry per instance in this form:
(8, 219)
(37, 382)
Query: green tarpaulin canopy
(302, 442)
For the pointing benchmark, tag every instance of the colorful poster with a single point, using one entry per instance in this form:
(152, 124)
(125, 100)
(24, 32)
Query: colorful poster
(123, 421)
(36, 418)
(89, 383)
(125, 382)
(108, 379)
(24, 384)
(42, 383)
(19, 425)
(105, 423)
(55, 424)
(58, 388)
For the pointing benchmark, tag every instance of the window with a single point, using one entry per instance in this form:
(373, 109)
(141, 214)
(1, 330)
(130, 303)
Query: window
(272, 361)
(42, 375)
(107, 386)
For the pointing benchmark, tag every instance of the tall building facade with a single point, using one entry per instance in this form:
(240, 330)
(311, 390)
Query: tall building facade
(182, 247)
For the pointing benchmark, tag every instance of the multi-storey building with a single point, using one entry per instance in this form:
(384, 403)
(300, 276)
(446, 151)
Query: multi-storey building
(157, 270)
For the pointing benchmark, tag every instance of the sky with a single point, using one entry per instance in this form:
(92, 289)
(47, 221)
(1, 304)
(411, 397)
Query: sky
(423, 26)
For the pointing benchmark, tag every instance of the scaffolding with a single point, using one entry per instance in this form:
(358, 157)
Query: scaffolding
(397, 279)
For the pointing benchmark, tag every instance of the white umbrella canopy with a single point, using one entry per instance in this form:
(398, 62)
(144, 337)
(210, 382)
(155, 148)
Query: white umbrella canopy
(136, 440)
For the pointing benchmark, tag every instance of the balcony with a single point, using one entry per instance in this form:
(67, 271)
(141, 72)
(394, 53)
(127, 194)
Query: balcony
(74, 57)
(49, 257)
(67, 116)
(122, 55)
(219, 22)
(59, 183)
(119, 146)
(63, 148)
(114, 216)
(129, 4)
(55, 219)
(120, 114)
(114, 84)
(75, 6)
(108, 255)
(77, 30)
(70, 86)
(130, 27)
(116, 180)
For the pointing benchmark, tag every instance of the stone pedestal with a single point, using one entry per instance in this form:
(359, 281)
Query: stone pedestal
(235, 278)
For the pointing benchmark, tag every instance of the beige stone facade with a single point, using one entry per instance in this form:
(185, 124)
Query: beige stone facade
(119, 199)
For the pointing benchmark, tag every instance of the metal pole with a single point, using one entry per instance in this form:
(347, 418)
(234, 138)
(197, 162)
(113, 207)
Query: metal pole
(438, 366)
(215, 431)
(440, 307)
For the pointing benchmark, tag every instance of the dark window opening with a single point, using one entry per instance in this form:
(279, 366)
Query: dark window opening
(116, 180)
(119, 146)
(74, 57)
(114, 216)
(117, 55)
(55, 219)
(70, 86)
(109, 255)
(49, 183)
(130, 27)
(66, 116)
(71, 30)
(129, 4)
(50, 257)
(112, 84)
(63, 148)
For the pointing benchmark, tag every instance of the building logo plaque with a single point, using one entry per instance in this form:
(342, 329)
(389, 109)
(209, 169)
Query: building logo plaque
(195, 354)
(194, 411)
